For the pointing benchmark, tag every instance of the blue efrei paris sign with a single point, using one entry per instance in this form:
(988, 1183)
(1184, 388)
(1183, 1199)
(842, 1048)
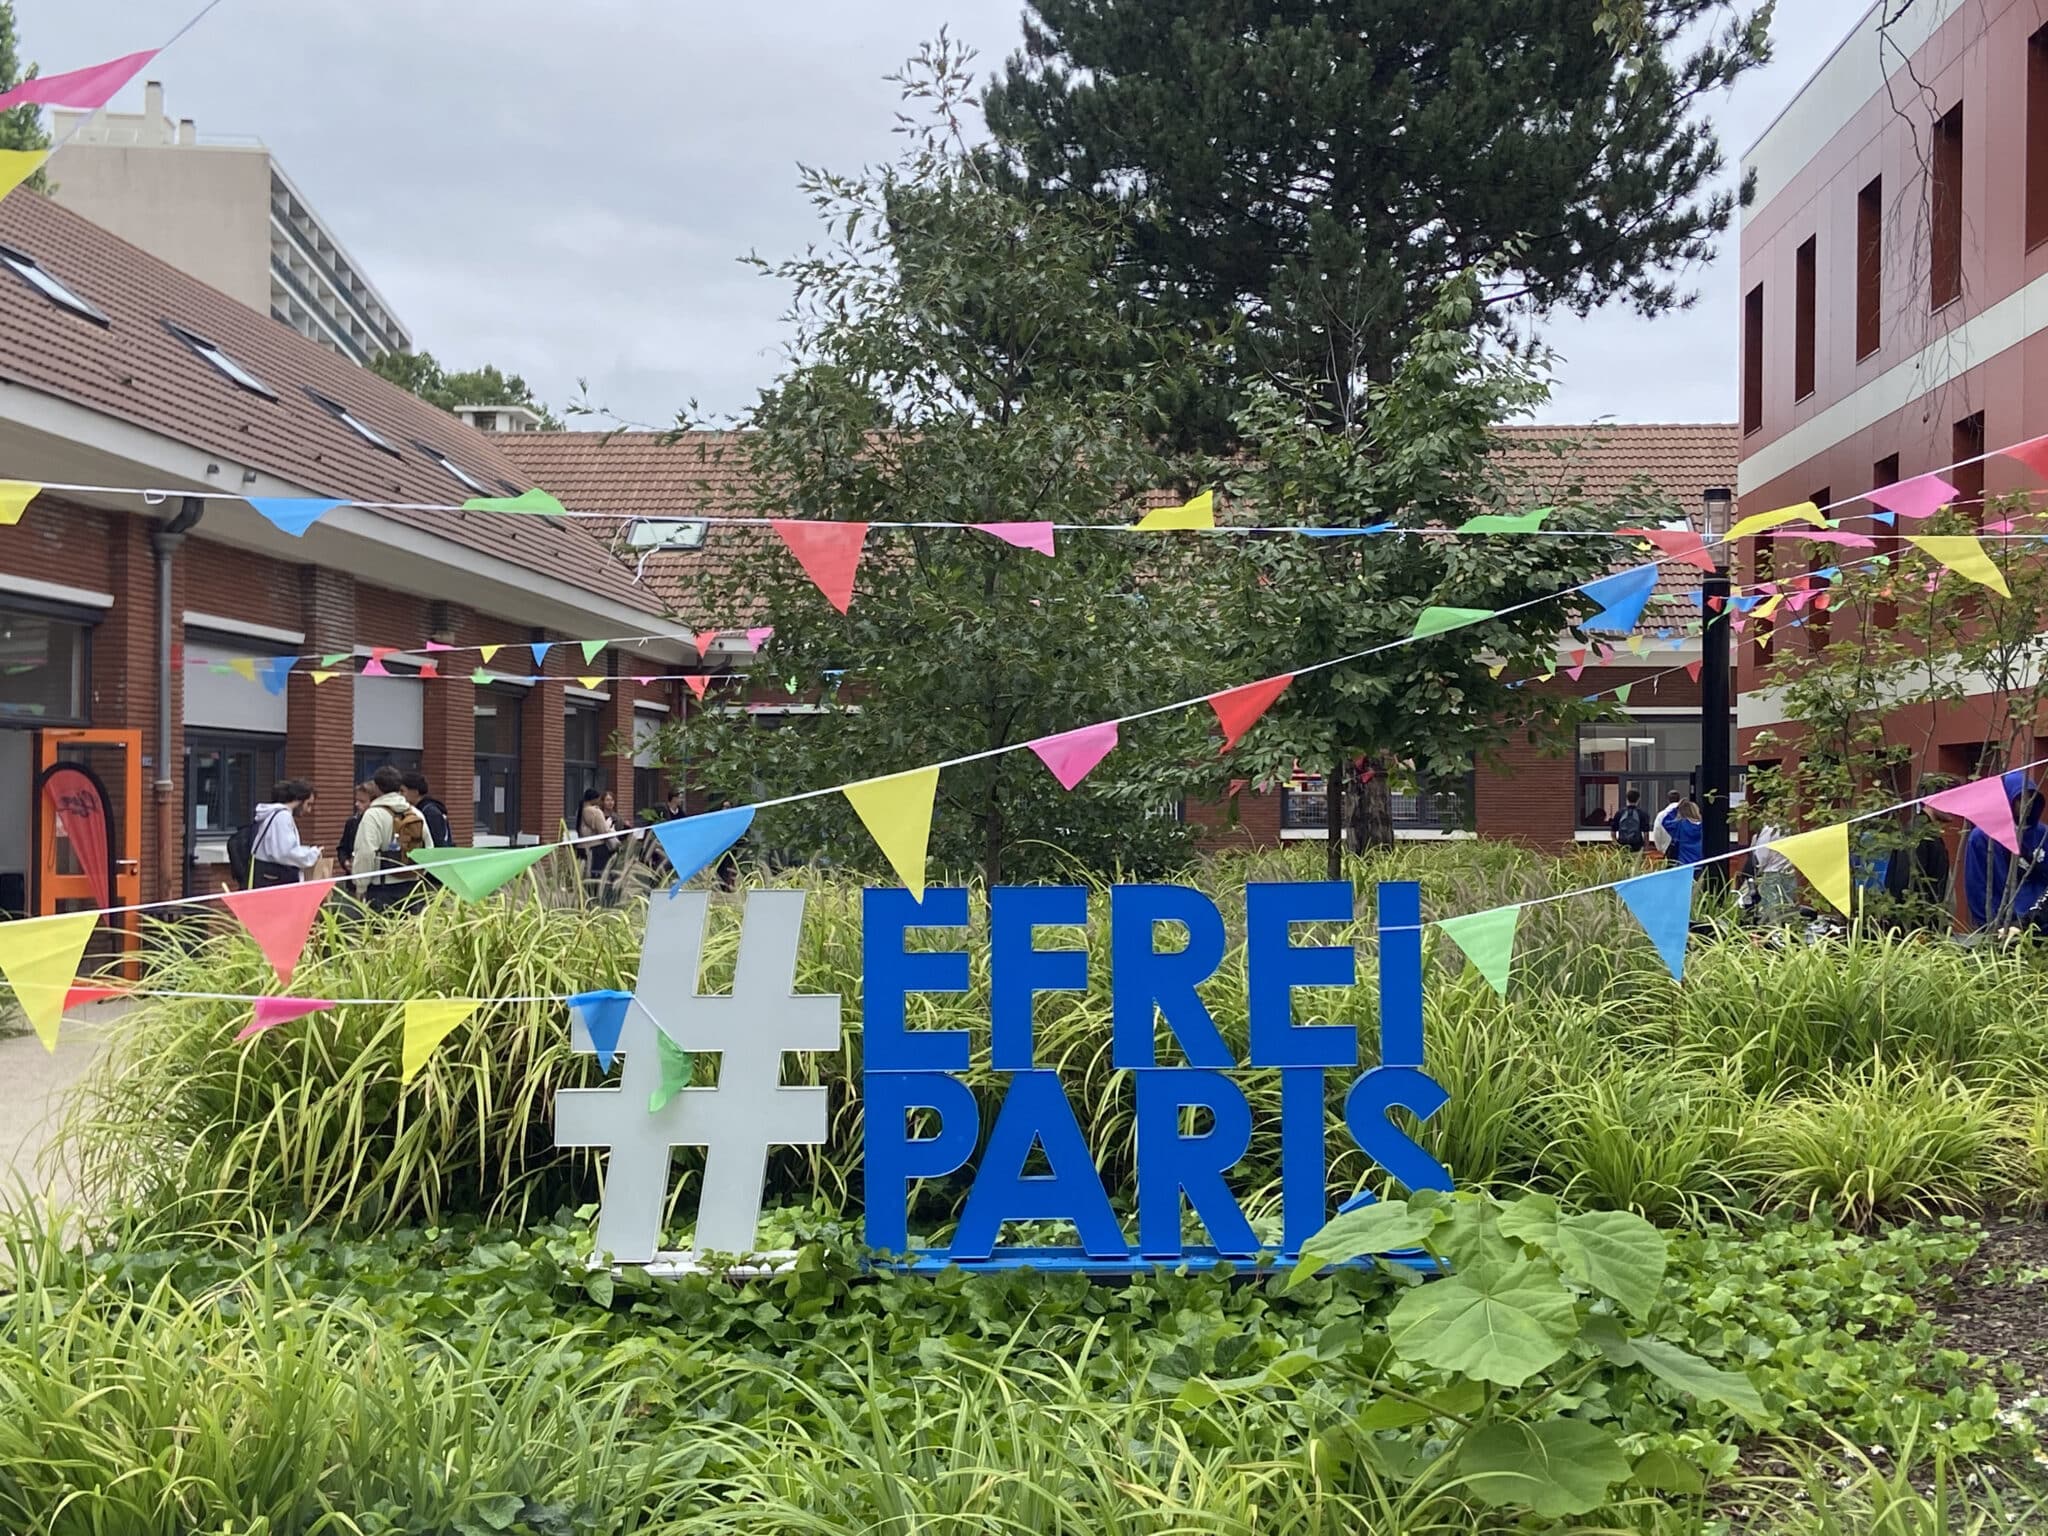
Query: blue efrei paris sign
(909, 1070)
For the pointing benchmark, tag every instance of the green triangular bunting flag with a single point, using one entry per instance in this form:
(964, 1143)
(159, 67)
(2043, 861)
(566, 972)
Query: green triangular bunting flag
(1488, 940)
(591, 648)
(675, 1071)
(1506, 522)
(1434, 621)
(480, 677)
(473, 873)
(1621, 693)
(535, 500)
(334, 658)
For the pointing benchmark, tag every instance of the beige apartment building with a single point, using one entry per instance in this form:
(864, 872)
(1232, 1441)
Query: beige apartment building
(223, 211)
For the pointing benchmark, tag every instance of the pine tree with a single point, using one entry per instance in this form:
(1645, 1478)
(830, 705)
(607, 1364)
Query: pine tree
(21, 128)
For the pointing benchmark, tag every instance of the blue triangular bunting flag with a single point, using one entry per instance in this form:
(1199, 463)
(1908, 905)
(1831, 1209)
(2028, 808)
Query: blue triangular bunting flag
(292, 514)
(602, 1015)
(1345, 533)
(1662, 903)
(694, 843)
(1621, 597)
(540, 649)
(1889, 519)
(273, 671)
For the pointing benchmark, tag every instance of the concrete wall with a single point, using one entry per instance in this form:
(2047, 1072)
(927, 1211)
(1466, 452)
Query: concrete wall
(203, 208)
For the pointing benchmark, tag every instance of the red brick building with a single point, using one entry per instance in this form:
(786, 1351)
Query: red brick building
(126, 622)
(1549, 792)
(1894, 279)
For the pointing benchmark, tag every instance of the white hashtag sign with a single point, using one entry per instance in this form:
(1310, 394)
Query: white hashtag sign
(737, 1121)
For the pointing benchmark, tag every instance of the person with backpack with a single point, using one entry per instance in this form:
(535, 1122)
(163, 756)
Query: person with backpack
(1631, 824)
(416, 789)
(391, 830)
(344, 850)
(267, 851)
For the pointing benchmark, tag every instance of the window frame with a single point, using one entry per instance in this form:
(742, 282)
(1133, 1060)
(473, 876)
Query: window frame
(1653, 785)
(222, 362)
(353, 422)
(454, 470)
(84, 621)
(49, 285)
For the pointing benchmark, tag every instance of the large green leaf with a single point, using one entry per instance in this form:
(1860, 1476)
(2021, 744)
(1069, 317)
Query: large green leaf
(1498, 1322)
(1555, 1467)
(1382, 1227)
(1686, 1371)
(1617, 1253)
(1667, 1472)
(1531, 1219)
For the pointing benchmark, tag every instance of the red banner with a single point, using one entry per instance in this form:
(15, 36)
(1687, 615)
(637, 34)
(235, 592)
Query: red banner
(78, 805)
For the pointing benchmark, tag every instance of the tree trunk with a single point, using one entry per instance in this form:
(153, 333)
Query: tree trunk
(992, 833)
(1333, 835)
(1372, 809)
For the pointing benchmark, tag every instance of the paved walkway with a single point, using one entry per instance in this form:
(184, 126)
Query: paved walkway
(33, 1082)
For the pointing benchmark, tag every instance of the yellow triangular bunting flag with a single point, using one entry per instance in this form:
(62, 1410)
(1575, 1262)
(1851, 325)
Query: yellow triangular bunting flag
(1770, 606)
(243, 667)
(429, 1021)
(1196, 512)
(17, 165)
(320, 677)
(1757, 522)
(15, 495)
(488, 651)
(1496, 669)
(592, 683)
(1823, 857)
(39, 957)
(1961, 553)
(897, 812)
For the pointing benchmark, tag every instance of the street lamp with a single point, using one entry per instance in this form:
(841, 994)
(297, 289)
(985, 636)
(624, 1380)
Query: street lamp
(1716, 750)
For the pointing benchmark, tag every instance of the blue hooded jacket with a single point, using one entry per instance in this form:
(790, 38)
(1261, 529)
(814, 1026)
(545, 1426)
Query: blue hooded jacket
(1688, 838)
(1988, 867)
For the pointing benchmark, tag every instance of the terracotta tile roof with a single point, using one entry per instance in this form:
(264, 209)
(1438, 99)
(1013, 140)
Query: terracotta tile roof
(137, 370)
(1606, 461)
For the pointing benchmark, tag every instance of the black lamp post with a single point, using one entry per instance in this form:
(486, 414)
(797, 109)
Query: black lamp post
(1716, 749)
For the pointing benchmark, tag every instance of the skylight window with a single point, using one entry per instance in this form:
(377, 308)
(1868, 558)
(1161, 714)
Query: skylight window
(342, 414)
(26, 269)
(221, 363)
(462, 475)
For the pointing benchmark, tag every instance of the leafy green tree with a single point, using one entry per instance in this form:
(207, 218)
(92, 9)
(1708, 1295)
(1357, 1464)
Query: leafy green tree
(21, 128)
(1423, 454)
(421, 374)
(988, 340)
(1309, 176)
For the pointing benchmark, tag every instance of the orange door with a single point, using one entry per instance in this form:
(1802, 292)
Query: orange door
(61, 882)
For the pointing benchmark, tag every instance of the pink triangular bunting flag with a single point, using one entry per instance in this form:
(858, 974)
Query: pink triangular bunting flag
(435, 645)
(278, 918)
(1071, 754)
(374, 667)
(1238, 708)
(828, 552)
(1678, 544)
(87, 89)
(1921, 496)
(1692, 670)
(705, 641)
(759, 633)
(1036, 536)
(1984, 804)
(273, 1011)
(695, 681)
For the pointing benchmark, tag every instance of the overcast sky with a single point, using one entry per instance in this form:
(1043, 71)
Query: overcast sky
(563, 190)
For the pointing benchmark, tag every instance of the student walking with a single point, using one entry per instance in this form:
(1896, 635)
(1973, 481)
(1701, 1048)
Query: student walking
(1631, 824)
(1686, 837)
(416, 790)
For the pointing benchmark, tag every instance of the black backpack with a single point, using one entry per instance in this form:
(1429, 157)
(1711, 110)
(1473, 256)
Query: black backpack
(1628, 827)
(242, 854)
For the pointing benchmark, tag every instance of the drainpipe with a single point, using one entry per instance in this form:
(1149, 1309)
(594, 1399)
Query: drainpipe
(165, 541)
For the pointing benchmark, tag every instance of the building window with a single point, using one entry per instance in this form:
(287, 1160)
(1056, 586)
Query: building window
(1426, 806)
(496, 790)
(1945, 210)
(370, 759)
(1804, 279)
(347, 418)
(580, 748)
(1884, 613)
(29, 272)
(1869, 266)
(1967, 443)
(455, 471)
(221, 363)
(227, 775)
(649, 786)
(44, 662)
(2037, 138)
(1657, 758)
(1753, 359)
